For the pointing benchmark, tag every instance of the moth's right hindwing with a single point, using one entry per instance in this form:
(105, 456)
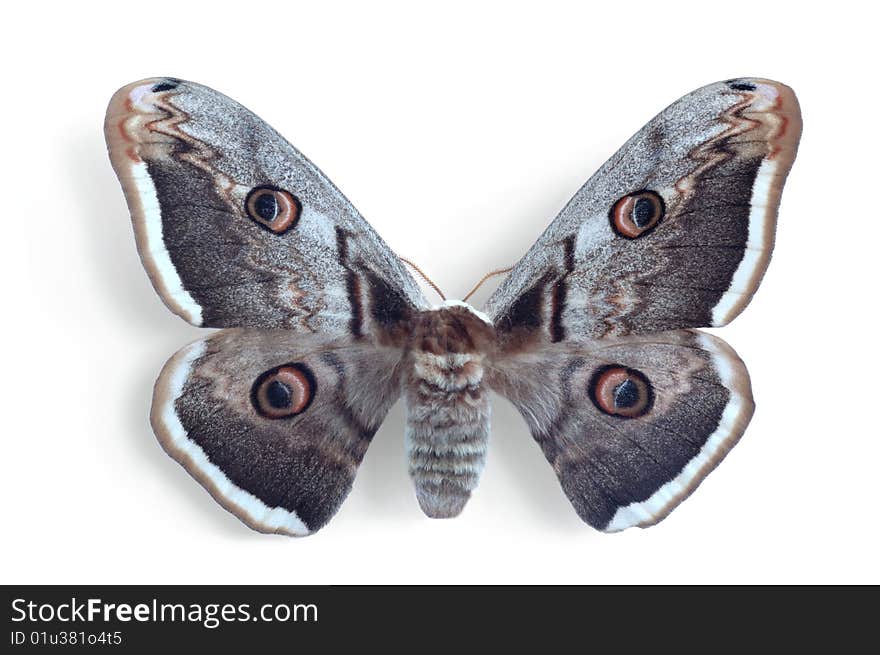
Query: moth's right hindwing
(236, 228)
(274, 424)
(631, 425)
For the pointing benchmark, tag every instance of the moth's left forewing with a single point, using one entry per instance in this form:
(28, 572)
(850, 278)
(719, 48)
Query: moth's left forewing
(237, 228)
(631, 425)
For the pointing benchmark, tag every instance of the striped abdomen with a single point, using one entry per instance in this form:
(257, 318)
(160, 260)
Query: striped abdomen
(447, 429)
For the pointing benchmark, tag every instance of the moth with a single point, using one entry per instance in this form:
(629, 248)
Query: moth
(591, 335)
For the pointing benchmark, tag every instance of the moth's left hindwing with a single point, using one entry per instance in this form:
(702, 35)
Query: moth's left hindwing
(274, 424)
(631, 425)
(236, 228)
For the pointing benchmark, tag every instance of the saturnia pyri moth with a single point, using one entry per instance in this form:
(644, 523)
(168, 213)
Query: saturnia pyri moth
(591, 335)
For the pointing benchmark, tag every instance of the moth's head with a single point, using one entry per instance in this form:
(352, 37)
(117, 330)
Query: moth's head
(453, 327)
(460, 307)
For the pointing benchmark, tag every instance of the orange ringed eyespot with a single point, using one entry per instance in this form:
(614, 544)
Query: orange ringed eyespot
(283, 391)
(274, 209)
(636, 214)
(620, 391)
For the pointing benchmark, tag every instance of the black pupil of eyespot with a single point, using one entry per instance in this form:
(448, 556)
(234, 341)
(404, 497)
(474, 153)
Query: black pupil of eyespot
(643, 212)
(626, 394)
(279, 395)
(266, 206)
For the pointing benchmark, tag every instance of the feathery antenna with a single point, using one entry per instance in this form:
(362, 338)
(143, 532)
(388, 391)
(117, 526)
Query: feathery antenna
(490, 274)
(423, 276)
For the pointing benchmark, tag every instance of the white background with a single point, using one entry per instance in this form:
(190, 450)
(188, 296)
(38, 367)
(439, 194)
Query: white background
(459, 133)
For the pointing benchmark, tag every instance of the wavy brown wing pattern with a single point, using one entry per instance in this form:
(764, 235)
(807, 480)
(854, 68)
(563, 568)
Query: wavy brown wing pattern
(236, 228)
(674, 231)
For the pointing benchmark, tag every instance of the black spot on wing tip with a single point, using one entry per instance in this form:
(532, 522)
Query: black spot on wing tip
(168, 84)
(739, 85)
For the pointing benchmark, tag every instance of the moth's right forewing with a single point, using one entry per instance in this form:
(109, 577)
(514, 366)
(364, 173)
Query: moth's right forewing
(274, 424)
(674, 231)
